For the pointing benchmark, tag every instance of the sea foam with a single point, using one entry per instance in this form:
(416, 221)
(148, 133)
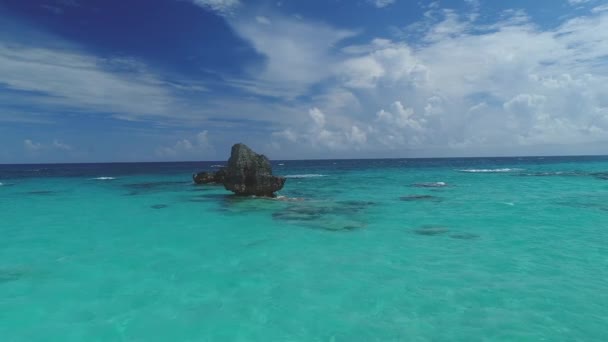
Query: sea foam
(489, 170)
(104, 178)
(430, 185)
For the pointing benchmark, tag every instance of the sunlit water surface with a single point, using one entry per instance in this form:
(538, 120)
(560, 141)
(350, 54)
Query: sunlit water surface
(362, 250)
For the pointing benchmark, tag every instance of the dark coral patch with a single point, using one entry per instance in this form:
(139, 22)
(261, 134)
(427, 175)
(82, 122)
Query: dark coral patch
(413, 198)
(159, 206)
(431, 230)
(464, 236)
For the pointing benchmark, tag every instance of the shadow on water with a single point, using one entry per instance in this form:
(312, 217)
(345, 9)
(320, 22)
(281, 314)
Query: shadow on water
(159, 206)
(41, 192)
(431, 230)
(592, 202)
(441, 231)
(8, 275)
(420, 198)
(324, 215)
(574, 173)
(600, 175)
(330, 216)
(464, 236)
(151, 187)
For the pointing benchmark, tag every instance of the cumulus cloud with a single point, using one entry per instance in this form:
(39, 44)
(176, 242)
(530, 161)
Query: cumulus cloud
(32, 146)
(196, 147)
(320, 133)
(476, 86)
(61, 146)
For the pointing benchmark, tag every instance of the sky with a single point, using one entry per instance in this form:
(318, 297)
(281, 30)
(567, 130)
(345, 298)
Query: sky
(172, 80)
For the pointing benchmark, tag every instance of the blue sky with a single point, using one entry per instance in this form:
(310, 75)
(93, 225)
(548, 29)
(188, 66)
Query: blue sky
(156, 80)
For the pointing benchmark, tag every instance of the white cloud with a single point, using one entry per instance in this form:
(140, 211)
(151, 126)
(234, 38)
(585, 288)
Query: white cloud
(496, 88)
(381, 3)
(298, 53)
(262, 20)
(321, 134)
(601, 8)
(79, 81)
(197, 147)
(357, 136)
(61, 146)
(317, 117)
(222, 7)
(578, 2)
(32, 146)
(287, 134)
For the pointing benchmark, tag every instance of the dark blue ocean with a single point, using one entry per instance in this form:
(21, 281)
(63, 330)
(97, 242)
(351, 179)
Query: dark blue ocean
(465, 249)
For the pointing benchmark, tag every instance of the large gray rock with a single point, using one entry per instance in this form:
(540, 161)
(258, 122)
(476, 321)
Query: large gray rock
(249, 173)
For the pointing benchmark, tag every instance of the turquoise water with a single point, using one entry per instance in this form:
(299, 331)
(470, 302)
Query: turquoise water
(510, 250)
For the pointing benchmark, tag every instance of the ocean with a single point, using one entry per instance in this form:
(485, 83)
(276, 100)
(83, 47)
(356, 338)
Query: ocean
(474, 249)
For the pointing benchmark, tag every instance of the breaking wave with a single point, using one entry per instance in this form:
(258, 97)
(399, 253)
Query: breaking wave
(104, 178)
(430, 185)
(489, 170)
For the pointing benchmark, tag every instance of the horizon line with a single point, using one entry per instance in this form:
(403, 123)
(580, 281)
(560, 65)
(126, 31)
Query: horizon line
(315, 159)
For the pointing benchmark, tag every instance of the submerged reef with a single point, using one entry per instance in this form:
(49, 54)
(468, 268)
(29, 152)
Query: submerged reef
(324, 215)
(431, 230)
(7, 275)
(464, 236)
(412, 198)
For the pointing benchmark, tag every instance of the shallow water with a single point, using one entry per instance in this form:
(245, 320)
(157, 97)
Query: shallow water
(506, 249)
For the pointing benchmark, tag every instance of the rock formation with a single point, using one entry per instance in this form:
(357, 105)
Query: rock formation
(249, 173)
(216, 177)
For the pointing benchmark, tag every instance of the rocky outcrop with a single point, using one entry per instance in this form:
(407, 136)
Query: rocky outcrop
(216, 177)
(249, 173)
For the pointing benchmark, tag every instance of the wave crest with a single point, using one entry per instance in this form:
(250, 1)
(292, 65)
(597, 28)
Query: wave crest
(430, 185)
(104, 178)
(489, 170)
